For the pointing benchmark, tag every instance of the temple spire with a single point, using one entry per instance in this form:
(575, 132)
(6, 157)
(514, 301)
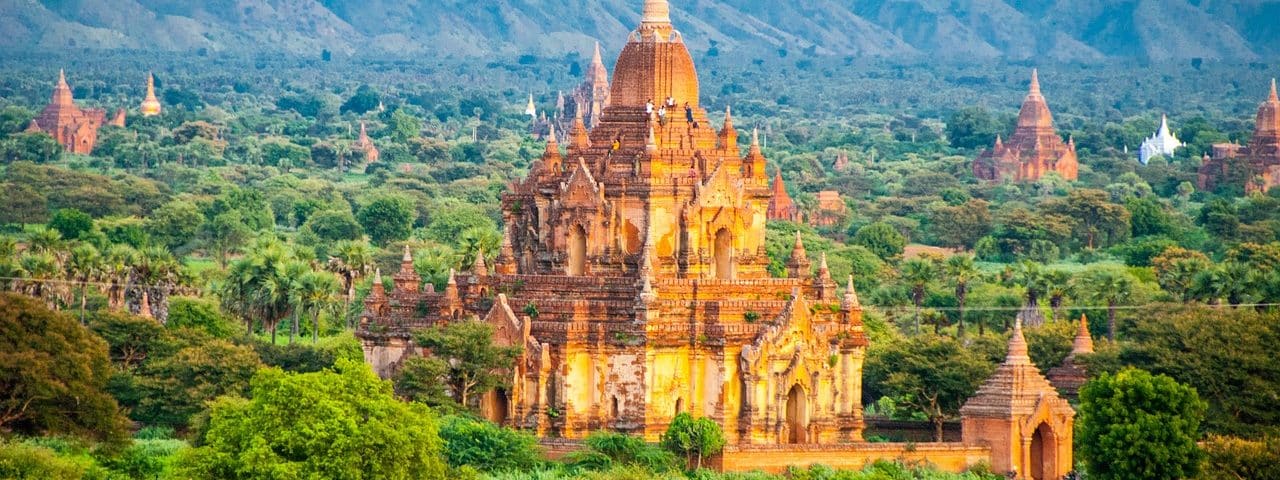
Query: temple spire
(656, 13)
(479, 268)
(850, 300)
(1273, 97)
(62, 92)
(1083, 343)
(578, 138)
(1035, 82)
(1017, 346)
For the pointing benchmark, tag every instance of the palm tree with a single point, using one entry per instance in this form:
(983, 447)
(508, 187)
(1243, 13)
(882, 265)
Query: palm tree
(44, 239)
(256, 286)
(1031, 277)
(316, 292)
(38, 268)
(1058, 286)
(292, 272)
(351, 260)
(962, 271)
(83, 266)
(918, 273)
(117, 267)
(9, 268)
(155, 274)
(1110, 286)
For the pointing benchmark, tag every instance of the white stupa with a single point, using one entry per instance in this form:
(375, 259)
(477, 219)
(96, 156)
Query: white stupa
(1163, 143)
(530, 109)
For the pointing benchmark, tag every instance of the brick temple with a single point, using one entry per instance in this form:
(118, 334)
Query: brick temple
(632, 274)
(75, 128)
(1256, 165)
(1033, 150)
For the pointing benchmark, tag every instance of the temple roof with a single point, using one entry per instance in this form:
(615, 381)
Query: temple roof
(596, 72)
(1035, 116)
(655, 64)
(1016, 389)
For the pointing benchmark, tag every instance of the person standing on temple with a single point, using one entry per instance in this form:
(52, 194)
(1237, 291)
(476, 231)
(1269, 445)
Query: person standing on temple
(688, 112)
(662, 115)
(671, 102)
(648, 108)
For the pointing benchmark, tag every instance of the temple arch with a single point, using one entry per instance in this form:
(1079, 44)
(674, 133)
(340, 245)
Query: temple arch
(723, 254)
(797, 415)
(1044, 448)
(496, 405)
(577, 251)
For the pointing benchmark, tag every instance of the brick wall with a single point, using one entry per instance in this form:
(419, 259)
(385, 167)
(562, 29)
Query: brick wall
(952, 457)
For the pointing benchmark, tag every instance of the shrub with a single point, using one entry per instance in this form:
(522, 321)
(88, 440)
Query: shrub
(487, 447)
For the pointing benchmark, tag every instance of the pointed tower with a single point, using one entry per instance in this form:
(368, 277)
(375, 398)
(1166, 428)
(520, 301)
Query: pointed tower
(753, 164)
(1033, 150)
(506, 263)
(590, 98)
(1260, 158)
(75, 129)
(150, 105)
(1071, 375)
(407, 279)
(1020, 416)
(365, 144)
(579, 141)
(478, 267)
(728, 134)
(780, 205)
(798, 265)
(530, 109)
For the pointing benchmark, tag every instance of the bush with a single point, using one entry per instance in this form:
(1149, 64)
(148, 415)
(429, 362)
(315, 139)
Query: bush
(196, 313)
(606, 450)
(1228, 457)
(487, 447)
(23, 461)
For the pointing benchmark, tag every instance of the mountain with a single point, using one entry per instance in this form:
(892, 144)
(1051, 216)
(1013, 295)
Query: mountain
(942, 30)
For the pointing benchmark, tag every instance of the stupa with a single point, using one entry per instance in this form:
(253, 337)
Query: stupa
(1033, 150)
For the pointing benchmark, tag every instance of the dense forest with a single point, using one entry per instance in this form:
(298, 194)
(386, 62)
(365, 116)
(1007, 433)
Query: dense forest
(196, 278)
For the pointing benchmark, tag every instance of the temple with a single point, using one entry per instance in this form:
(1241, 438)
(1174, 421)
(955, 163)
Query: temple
(1071, 375)
(633, 271)
(150, 105)
(74, 128)
(591, 97)
(831, 209)
(1163, 143)
(1033, 150)
(780, 205)
(632, 274)
(1019, 415)
(366, 145)
(1256, 165)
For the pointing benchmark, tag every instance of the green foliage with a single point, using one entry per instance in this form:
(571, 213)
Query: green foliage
(150, 458)
(200, 314)
(932, 375)
(694, 439)
(54, 372)
(1137, 425)
(1139, 252)
(20, 461)
(605, 450)
(387, 219)
(333, 225)
(175, 224)
(487, 447)
(474, 364)
(172, 389)
(341, 424)
(363, 101)
(881, 239)
(972, 127)
(71, 223)
(1227, 457)
(422, 380)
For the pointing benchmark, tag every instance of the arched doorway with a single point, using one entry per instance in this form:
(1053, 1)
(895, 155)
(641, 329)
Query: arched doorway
(724, 254)
(797, 415)
(1044, 450)
(495, 406)
(577, 251)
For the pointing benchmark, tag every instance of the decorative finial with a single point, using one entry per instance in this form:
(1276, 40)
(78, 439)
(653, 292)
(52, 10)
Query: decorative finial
(377, 276)
(1273, 97)
(755, 137)
(479, 268)
(1017, 346)
(1035, 81)
(851, 296)
(408, 256)
(656, 12)
(62, 77)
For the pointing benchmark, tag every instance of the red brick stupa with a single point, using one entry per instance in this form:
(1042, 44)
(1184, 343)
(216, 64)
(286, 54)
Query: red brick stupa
(1033, 150)
(1259, 161)
(780, 206)
(75, 129)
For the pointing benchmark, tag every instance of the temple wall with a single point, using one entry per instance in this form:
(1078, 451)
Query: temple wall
(384, 358)
(952, 457)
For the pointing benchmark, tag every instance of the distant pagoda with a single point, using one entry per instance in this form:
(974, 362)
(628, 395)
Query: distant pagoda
(781, 207)
(366, 145)
(1033, 150)
(591, 97)
(1163, 143)
(150, 105)
(74, 128)
(1256, 165)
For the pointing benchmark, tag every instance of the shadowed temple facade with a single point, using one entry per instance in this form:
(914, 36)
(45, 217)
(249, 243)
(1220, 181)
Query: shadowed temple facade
(633, 275)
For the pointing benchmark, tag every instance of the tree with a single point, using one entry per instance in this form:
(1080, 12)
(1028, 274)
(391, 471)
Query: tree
(36, 147)
(314, 292)
(53, 374)
(1176, 268)
(929, 374)
(1148, 217)
(918, 272)
(694, 439)
(962, 225)
(225, 234)
(363, 101)
(387, 219)
(1136, 425)
(172, 388)
(333, 225)
(404, 126)
(1220, 219)
(487, 447)
(422, 380)
(351, 260)
(258, 288)
(962, 271)
(23, 204)
(1109, 286)
(84, 265)
(1092, 216)
(476, 365)
(882, 239)
(70, 222)
(341, 423)
(175, 224)
(972, 127)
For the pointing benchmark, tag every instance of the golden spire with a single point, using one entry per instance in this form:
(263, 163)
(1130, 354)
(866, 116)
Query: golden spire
(150, 105)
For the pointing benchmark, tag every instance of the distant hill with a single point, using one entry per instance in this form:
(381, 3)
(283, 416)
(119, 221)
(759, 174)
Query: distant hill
(949, 31)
